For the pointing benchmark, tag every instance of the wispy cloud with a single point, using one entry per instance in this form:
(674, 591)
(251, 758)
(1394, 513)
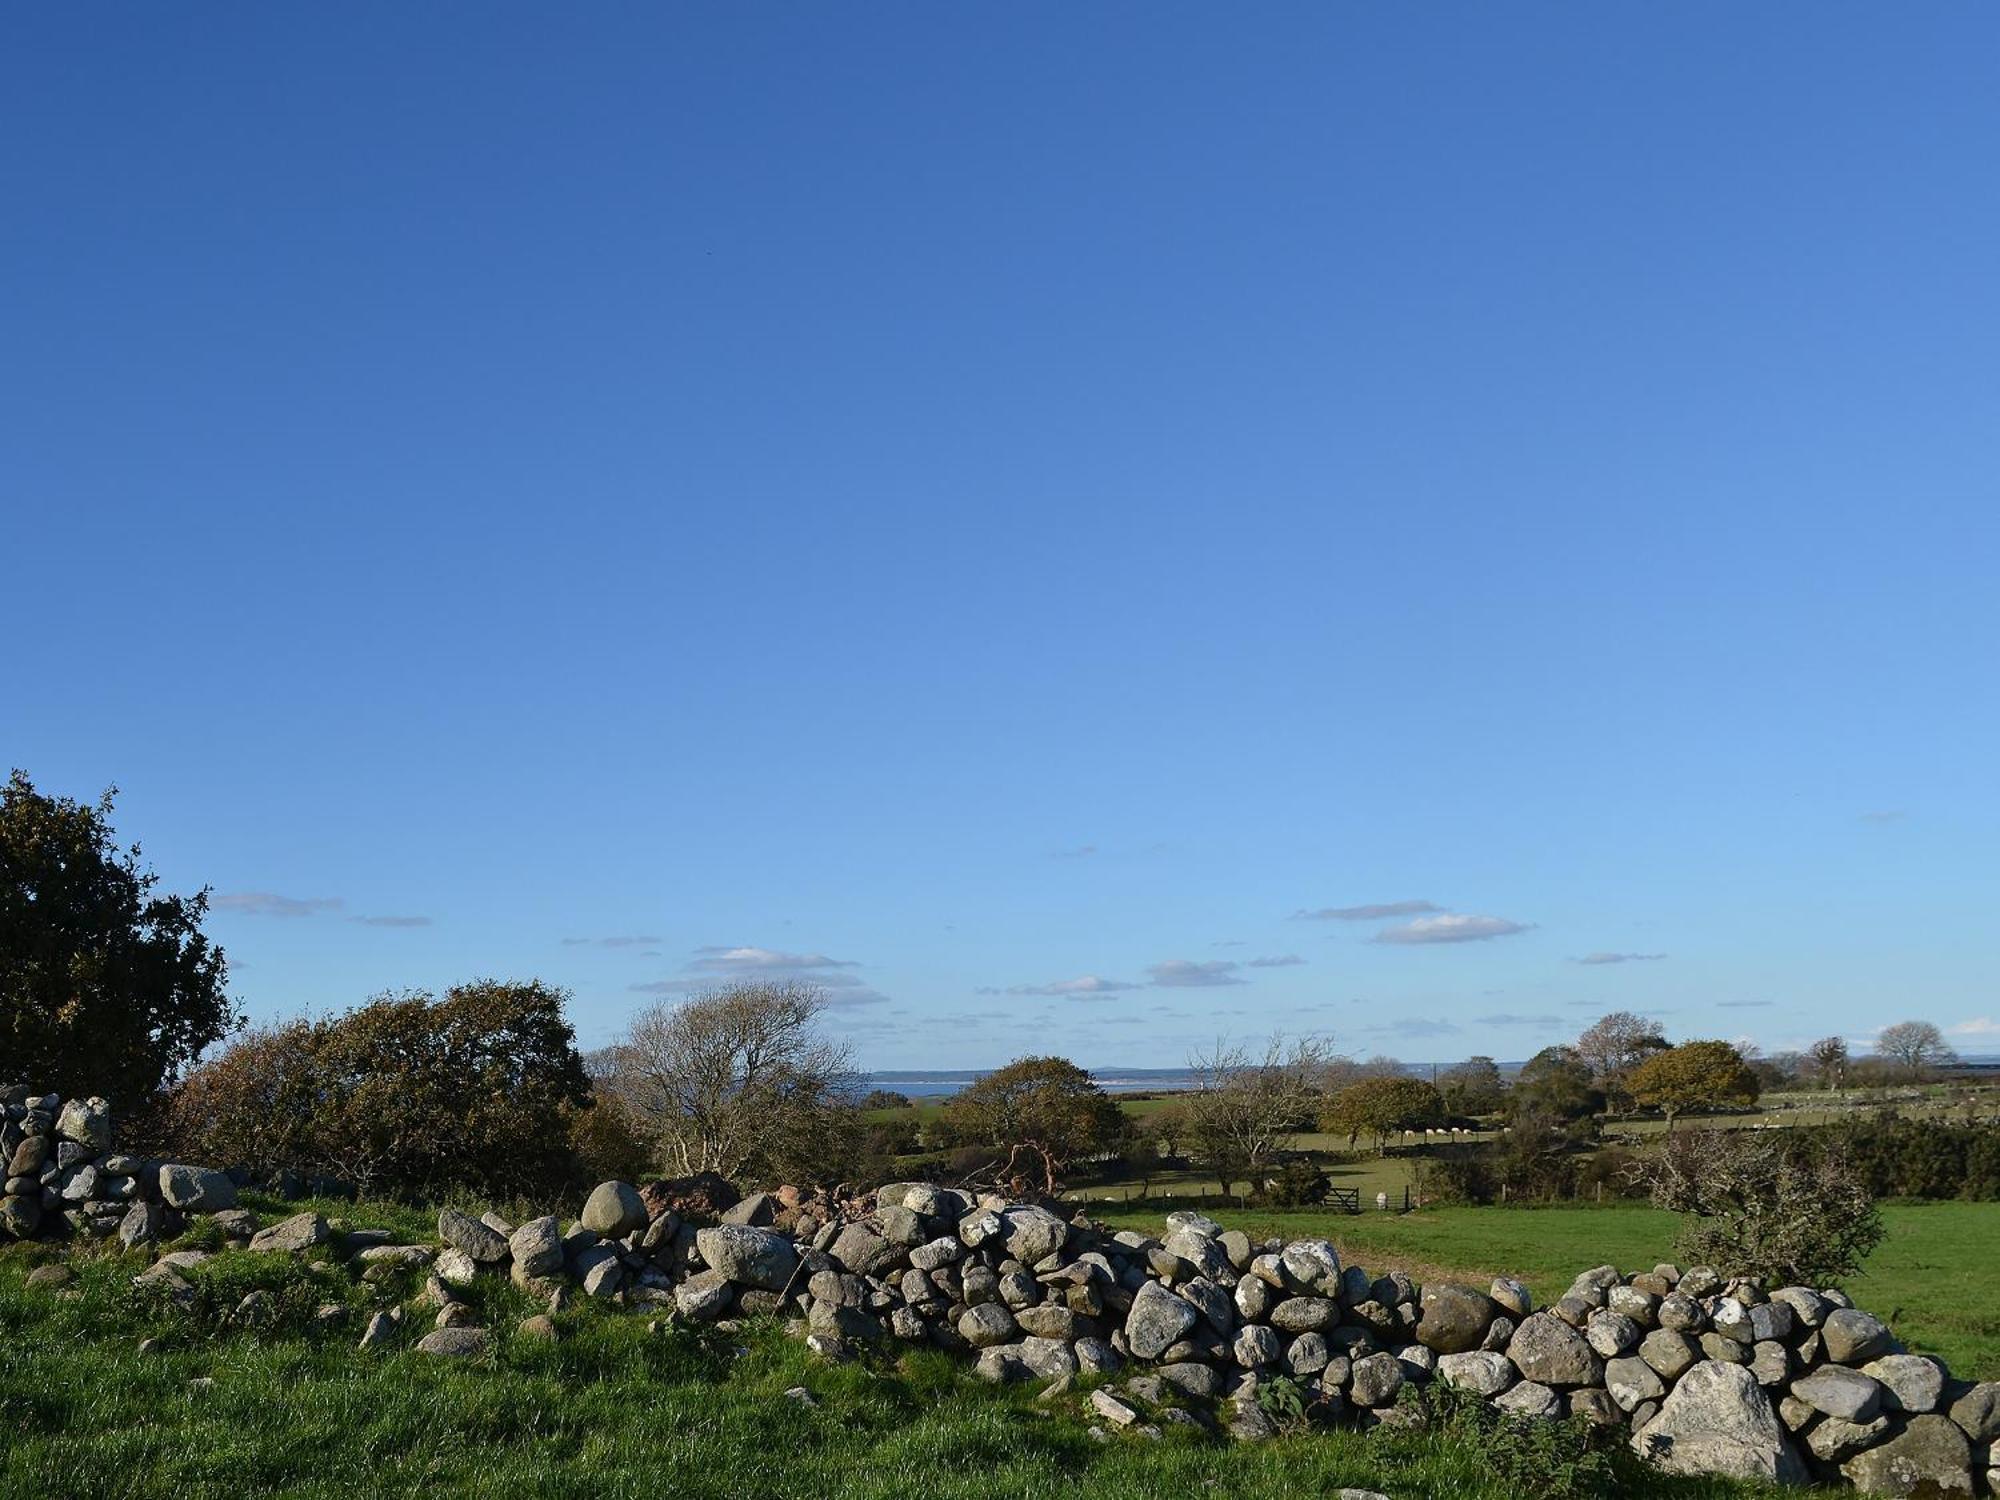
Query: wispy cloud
(270, 904)
(1078, 851)
(716, 959)
(1743, 1004)
(1186, 973)
(1508, 1018)
(1452, 927)
(1984, 1026)
(1278, 961)
(1083, 987)
(392, 921)
(717, 965)
(609, 942)
(1376, 912)
(1415, 1027)
(1619, 958)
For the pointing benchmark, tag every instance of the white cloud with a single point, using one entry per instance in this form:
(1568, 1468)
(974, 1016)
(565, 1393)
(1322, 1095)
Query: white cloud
(1415, 1027)
(1186, 973)
(1450, 928)
(1619, 958)
(715, 959)
(1371, 913)
(1984, 1026)
(718, 965)
(1508, 1018)
(1083, 987)
(1281, 961)
(270, 904)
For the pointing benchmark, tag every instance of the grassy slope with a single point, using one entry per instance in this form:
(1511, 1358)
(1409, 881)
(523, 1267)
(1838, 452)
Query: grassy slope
(610, 1411)
(1932, 1278)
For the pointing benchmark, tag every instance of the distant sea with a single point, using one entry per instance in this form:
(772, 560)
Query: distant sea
(936, 1082)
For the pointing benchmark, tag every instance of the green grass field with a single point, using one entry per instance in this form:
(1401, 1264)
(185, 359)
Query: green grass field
(1932, 1278)
(609, 1411)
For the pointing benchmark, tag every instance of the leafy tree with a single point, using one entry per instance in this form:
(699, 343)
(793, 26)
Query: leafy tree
(740, 1081)
(106, 986)
(1170, 1124)
(1828, 1058)
(1047, 1103)
(1473, 1087)
(411, 1095)
(1614, 1046)
(1555, 1084)
(1694, 1075)
(1918, 1048)
(1537, 1158)
(885, 1099)
(1786, 1205)
(1383, 1107)
(1139, 1150)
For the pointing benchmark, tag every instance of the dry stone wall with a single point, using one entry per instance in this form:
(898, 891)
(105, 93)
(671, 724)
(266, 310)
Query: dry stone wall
(1708, 1374)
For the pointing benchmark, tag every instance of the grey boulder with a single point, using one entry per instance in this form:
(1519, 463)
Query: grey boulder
(1929, 1457)
(196, 1189)
(614, 1210)
(754, 1257)
(1455, 1319)
(1718, 1420)
(1158, 1320)
(1548, 1351)
(478, 1239)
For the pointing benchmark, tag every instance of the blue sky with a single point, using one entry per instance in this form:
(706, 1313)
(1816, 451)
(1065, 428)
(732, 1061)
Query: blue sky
(1002, 511)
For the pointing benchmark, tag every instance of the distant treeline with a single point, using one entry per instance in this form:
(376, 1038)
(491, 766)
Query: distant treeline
(1895, 1156)
(1900, 1157)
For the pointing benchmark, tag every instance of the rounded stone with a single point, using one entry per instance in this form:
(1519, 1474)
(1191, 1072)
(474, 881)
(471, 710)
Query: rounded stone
(614, 1210)
(1548, 1351)
(1455, 1319)
(749, 1255)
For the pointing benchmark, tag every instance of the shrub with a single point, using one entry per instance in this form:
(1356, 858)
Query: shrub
(1465, 1177)
(1905, 1158)
(1045, 1102)
(1574, 1459)
(408, 1095)
(1296, 1184)
(740, 1081)
(1610, 1172)
(1782, 1205)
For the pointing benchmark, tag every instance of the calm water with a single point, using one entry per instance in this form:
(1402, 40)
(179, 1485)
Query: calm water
(936, 1082)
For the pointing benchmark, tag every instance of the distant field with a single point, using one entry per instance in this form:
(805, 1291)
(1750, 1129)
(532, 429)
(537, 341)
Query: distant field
(1933, 1279)
(1371, 1174)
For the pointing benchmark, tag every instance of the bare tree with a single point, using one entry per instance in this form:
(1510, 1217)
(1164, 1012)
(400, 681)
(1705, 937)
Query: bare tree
(1918, 1047)
(1829, 1061)
(1243, 1108)
(734, 1080)
(1614, 1046)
